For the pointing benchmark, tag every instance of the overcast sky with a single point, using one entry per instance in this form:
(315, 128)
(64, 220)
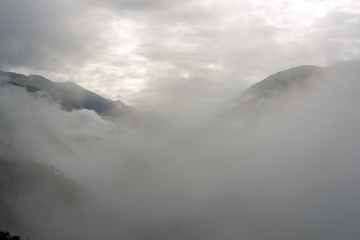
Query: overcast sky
(169, 54)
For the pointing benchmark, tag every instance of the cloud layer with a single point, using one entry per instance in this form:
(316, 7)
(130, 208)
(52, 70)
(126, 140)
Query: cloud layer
(291, 175)
(171, 55)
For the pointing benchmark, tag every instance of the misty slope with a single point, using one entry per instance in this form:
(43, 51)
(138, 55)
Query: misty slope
(271, 91)
(20, 179)
(280, 87)
(70, 95)
(37, 200)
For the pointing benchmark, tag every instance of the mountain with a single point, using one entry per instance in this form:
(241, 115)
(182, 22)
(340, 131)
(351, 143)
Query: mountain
(266, 93)
(277, 88)
(70, 96)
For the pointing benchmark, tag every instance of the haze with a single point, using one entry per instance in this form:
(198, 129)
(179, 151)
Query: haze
(202, 155)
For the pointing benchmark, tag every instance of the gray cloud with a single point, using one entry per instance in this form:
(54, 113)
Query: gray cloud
(337, 36)
(137, 5)
(159, 53)
(44, 35)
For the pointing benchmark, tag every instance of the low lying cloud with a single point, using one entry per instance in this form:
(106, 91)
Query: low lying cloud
(291, 175)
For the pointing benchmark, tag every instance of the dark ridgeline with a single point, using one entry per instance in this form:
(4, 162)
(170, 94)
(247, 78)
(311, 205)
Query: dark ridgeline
(70, 96)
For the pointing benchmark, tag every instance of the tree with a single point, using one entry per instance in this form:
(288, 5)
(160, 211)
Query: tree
(5, 235)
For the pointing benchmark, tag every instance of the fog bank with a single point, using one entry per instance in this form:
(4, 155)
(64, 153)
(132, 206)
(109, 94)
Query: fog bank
(292, 174)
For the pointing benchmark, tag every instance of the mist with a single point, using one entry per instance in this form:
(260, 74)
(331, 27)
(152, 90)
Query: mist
(291, 174)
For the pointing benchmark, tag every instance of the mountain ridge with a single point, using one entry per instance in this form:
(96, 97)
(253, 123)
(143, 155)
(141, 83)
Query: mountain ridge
(259, 96)
(70, 96)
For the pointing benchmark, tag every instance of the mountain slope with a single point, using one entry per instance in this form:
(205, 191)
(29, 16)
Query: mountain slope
(22, 179)
(272, 89)
(70, 95)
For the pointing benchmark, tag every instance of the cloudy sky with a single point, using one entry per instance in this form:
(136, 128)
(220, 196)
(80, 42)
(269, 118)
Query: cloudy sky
(162, 54)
